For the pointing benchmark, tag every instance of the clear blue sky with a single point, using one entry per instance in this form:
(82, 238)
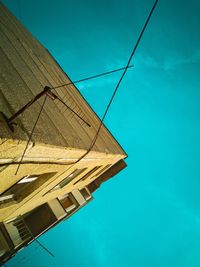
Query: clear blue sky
(149, 214)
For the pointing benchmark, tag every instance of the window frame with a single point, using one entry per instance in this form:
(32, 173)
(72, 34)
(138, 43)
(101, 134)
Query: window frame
(58, 187)
(87, 174)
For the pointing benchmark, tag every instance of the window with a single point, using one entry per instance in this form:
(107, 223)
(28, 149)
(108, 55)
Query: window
(23, 188)
(68, 202)
(88, 174)
(101, 171)
(5, 198)
(28, 179)
(12, 193)
(86, 194)
(68, 179)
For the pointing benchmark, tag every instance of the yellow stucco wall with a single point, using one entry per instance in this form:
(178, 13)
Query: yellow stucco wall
(60, 138)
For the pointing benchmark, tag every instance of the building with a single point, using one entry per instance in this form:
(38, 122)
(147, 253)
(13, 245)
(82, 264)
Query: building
(52, 182)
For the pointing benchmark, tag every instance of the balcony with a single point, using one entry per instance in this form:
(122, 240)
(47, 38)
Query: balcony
(18, 231)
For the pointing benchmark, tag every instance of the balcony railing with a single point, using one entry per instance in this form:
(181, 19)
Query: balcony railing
(18, 231)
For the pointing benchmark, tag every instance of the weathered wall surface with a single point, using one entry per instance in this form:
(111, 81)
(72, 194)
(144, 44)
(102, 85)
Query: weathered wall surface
(26, 68)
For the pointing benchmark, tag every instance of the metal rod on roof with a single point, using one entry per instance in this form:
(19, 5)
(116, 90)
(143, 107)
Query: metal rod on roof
(21, 110)
(46, 89)
(54, 97)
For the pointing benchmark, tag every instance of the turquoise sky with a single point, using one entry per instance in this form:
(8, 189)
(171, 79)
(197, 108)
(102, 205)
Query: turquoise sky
(149, 214)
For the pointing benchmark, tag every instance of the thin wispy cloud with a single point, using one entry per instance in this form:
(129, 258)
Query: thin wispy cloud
(106, 80)
(141, 61)
(177, 61)
(168, 63)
